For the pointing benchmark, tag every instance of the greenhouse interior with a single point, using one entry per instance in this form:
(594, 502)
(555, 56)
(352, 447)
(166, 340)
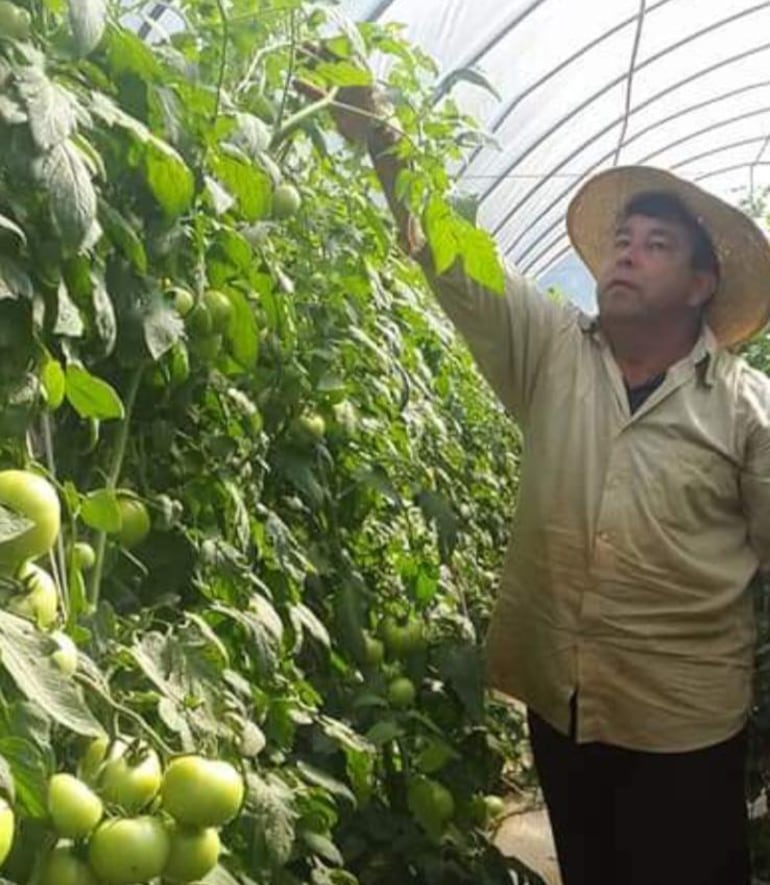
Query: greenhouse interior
(384, 442)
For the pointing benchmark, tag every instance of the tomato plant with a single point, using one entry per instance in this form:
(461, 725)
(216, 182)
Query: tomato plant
(193, 853)
(259, 443)
(62, 867)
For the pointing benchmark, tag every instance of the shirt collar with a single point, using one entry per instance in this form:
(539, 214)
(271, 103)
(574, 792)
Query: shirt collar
(704, 355)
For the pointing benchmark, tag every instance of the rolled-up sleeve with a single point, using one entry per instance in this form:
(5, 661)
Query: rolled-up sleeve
(508, 335)
(755, 473)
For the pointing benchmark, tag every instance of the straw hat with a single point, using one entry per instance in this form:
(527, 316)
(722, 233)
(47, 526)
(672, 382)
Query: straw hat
(741, 305)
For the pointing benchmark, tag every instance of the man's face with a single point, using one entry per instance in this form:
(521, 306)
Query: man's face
(647, 272)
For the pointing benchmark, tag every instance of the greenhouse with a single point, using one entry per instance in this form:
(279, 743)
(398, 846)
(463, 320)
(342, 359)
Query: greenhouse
(384, 442)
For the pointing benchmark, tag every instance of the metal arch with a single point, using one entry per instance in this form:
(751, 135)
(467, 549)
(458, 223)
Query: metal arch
(733, 168)
(526, 267)
(608, 86)
(718, 150)
(580, 148)
(155, 14)
(508, 108)
(645, 104)
(722, 170)
(490, 44)
(380, 9)
(630, 79)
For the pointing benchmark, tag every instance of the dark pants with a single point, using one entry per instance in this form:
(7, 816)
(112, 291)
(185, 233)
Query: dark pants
(623, 817)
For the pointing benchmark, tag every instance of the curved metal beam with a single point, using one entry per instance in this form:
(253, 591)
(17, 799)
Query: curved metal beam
(630, 80)
(606, 157)
(506, 110)
(379, 10)
(611, 84)
(746, 164)
(707, 70)
(490, 44)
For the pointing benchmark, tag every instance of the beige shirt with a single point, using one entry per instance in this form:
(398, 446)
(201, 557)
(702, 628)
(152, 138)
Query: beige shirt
(635, 537)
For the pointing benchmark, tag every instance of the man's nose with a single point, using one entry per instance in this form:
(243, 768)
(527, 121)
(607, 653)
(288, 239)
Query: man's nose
(626, 255)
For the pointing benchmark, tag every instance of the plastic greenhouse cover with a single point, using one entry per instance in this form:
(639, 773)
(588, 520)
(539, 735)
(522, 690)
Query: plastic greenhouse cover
(588, 84)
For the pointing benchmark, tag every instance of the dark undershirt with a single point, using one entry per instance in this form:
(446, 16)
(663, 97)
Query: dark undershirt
(636, 397)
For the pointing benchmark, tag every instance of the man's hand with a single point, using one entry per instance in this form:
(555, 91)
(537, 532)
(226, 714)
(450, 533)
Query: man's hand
(355, 109)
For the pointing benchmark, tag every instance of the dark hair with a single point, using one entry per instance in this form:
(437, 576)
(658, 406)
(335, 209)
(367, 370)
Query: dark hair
(669, 207)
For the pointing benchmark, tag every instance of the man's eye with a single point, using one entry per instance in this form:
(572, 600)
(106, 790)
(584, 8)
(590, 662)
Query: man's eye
(659, 245)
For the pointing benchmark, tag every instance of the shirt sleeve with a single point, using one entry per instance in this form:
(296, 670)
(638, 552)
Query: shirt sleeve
(508, 335)
(755, 474)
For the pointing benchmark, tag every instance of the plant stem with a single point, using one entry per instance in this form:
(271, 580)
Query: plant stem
(223, 59)
(60, 566)
(294, 121)
(112, 479)
(289, 71)
(124, 711)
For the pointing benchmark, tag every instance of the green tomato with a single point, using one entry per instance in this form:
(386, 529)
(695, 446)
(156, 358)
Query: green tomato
(412, 637)
(39, 602)
(201, 792)
(66, 655)
(35, 498)
(199, 322)
(74, 808)
(92, 759)
(401, 693)
(124, 851)
(286, 201)
(431, 803)
(183, 300)
(374, 650)
(84, 556)
(134, 521)
(220, 309)
(401, 640)
(194, 853)
(128, 781)
(15, 23)
(494, 807)
(207, 349)
(309, 427)
(7, 822)
(61, 867)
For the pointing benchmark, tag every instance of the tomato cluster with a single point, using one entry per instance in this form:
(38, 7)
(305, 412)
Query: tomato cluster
(126, 820)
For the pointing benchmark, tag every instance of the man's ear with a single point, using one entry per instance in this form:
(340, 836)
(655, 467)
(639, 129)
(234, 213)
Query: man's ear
(704, 286)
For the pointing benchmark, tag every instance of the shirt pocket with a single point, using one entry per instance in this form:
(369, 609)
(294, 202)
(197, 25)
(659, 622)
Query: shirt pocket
(695, 487)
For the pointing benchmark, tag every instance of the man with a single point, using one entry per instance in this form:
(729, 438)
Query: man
(624, 622)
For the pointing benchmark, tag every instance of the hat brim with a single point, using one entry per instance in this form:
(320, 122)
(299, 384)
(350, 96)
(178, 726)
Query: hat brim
(741, 305)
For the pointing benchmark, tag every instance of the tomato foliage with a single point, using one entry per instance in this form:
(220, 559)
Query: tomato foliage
(284, 488)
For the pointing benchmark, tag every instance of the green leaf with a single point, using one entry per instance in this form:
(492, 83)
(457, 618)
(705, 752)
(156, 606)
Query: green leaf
(163, 327)
(54, 384)
(7, 786)
(270, 802)
(472, 75)
(30, 773)
(91, 397)
(441, 233)
(304, 618)
(100, 511)
(52, 109)
(25, 655)
(65, 175)
(123, 236)
(9, 225)
(481, 259)
(383, 732)
(321, 779)
(168, 177)
(88, 19)
(343, 73)
(322, 846)
(104, 318)
(13, 524)
(68, 320)
(250, 186)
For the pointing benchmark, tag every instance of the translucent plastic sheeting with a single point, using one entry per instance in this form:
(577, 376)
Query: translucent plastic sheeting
(680, 84)
(585, 85)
